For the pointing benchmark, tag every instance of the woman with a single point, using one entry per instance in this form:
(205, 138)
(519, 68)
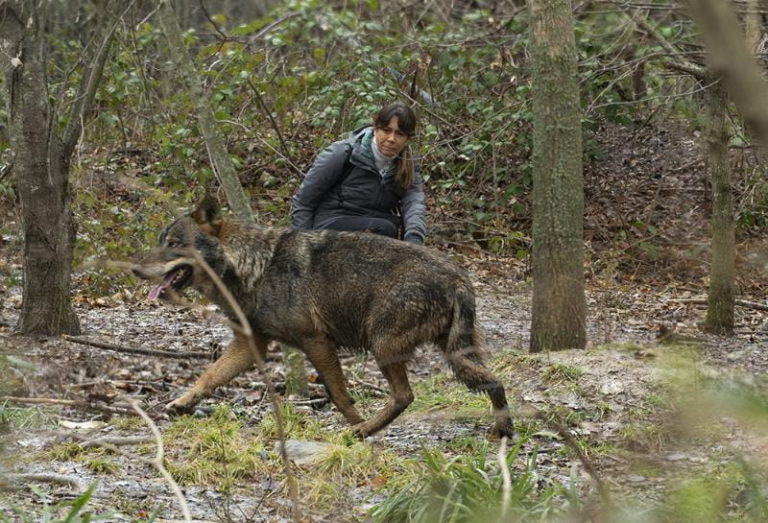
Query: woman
(363, 182)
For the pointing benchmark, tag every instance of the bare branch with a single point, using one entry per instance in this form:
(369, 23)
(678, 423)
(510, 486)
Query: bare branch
(682, 63)
(92, 71)
(67, 403)
(11, 480)
(130, 350)
(506, 478)
(244, 328)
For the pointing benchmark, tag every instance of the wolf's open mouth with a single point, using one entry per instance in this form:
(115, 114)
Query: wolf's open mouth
(176, 279)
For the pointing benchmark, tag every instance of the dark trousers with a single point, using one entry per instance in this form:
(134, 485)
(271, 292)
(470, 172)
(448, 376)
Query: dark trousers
(365, 223)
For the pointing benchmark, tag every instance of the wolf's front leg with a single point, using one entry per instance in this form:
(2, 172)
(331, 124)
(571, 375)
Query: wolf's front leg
(236, 359)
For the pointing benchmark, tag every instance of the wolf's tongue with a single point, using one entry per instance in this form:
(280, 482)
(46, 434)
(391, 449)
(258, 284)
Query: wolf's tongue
(156, 291)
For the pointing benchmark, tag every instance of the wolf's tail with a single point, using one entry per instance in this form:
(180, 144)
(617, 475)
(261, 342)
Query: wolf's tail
(464, 352)
(464, 341)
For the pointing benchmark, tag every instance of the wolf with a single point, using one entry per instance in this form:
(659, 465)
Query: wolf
(326, 291)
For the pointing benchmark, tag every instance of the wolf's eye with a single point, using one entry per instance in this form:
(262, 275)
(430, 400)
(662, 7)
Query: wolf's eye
(174, 243)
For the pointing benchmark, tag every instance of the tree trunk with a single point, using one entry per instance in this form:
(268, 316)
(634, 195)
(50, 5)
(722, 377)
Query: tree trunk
(559, 304)
(722, 293)
(753, 25)
(214, 141)
(42, 158)
(41, 176)
(296, 376)
(731, 60)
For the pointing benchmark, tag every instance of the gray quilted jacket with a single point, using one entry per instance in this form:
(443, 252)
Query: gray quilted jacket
(344, 181)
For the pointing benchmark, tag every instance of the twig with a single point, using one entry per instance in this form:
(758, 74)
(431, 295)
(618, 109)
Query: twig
(158, 461)
(378, 390)
(506, 478)
(585, 461)
(130, 350)
(687, 165)
(68, 403)
(276, 127)
(115, 441)
(244, 328)
(740, 303)
(48, 477)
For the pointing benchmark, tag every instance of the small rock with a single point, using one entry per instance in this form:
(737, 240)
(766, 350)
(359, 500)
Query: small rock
(677, 456)
(636, 478)
(305, 452)
(611, 387)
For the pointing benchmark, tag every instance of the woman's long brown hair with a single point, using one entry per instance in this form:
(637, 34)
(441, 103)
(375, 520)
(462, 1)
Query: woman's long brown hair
(406, 120)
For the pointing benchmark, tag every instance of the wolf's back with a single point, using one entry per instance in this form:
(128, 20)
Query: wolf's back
(361, 288)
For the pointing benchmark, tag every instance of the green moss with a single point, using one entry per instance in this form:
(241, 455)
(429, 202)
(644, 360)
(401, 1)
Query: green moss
(102, 465)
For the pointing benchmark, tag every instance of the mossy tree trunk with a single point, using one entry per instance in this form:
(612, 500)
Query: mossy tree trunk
(296, 376)
(42, 160)
(214, 139)
(559, 304)
(722, 292)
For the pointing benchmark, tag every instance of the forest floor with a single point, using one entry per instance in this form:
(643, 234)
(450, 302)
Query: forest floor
(647, 402)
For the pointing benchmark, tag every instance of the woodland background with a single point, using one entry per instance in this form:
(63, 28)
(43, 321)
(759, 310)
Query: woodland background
(657, 420)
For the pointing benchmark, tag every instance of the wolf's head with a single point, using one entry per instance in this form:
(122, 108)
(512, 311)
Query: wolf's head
(174, 262)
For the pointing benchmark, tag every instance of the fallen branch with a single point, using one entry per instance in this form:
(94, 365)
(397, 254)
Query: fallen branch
(585, 461)
(740, 303)
(145, 352)
(68, 403)
(115, 441)
(9, 480)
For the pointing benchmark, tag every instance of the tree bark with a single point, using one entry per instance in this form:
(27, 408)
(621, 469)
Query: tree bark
(214, 141)
(731, 60)
(722, 292)
(296, 376)
(42, 160)
(559, 304)
(41, 176)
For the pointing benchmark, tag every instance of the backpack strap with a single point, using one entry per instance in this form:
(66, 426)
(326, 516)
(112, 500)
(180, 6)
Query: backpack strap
(347, 165)
(345, 170)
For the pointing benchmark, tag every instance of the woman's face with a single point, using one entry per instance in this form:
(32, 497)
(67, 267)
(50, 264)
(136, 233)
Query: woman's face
(390, 139)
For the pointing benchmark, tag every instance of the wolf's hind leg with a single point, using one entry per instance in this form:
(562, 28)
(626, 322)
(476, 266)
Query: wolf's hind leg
(469, 369)
(236, 359)
(321, 352)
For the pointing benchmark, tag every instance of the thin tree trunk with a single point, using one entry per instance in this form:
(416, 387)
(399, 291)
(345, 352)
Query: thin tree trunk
(42, 173)
(42, 159)
(731, 60)
(296, 376)
(214, 140)
(559, 304)
(722, 293)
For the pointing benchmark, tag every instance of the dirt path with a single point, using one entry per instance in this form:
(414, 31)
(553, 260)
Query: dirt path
(609, 390)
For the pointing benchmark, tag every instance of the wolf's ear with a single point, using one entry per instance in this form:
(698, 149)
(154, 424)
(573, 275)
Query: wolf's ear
(208, 215)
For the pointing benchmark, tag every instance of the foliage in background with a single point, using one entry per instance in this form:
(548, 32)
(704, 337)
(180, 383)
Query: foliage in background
(287, 83)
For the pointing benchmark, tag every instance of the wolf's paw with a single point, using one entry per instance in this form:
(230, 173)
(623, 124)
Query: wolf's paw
(180, 406)
(503, 429)
(361, 430)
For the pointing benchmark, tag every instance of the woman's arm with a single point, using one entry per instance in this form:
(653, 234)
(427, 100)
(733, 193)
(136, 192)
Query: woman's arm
(414, 212)
(321, 177)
